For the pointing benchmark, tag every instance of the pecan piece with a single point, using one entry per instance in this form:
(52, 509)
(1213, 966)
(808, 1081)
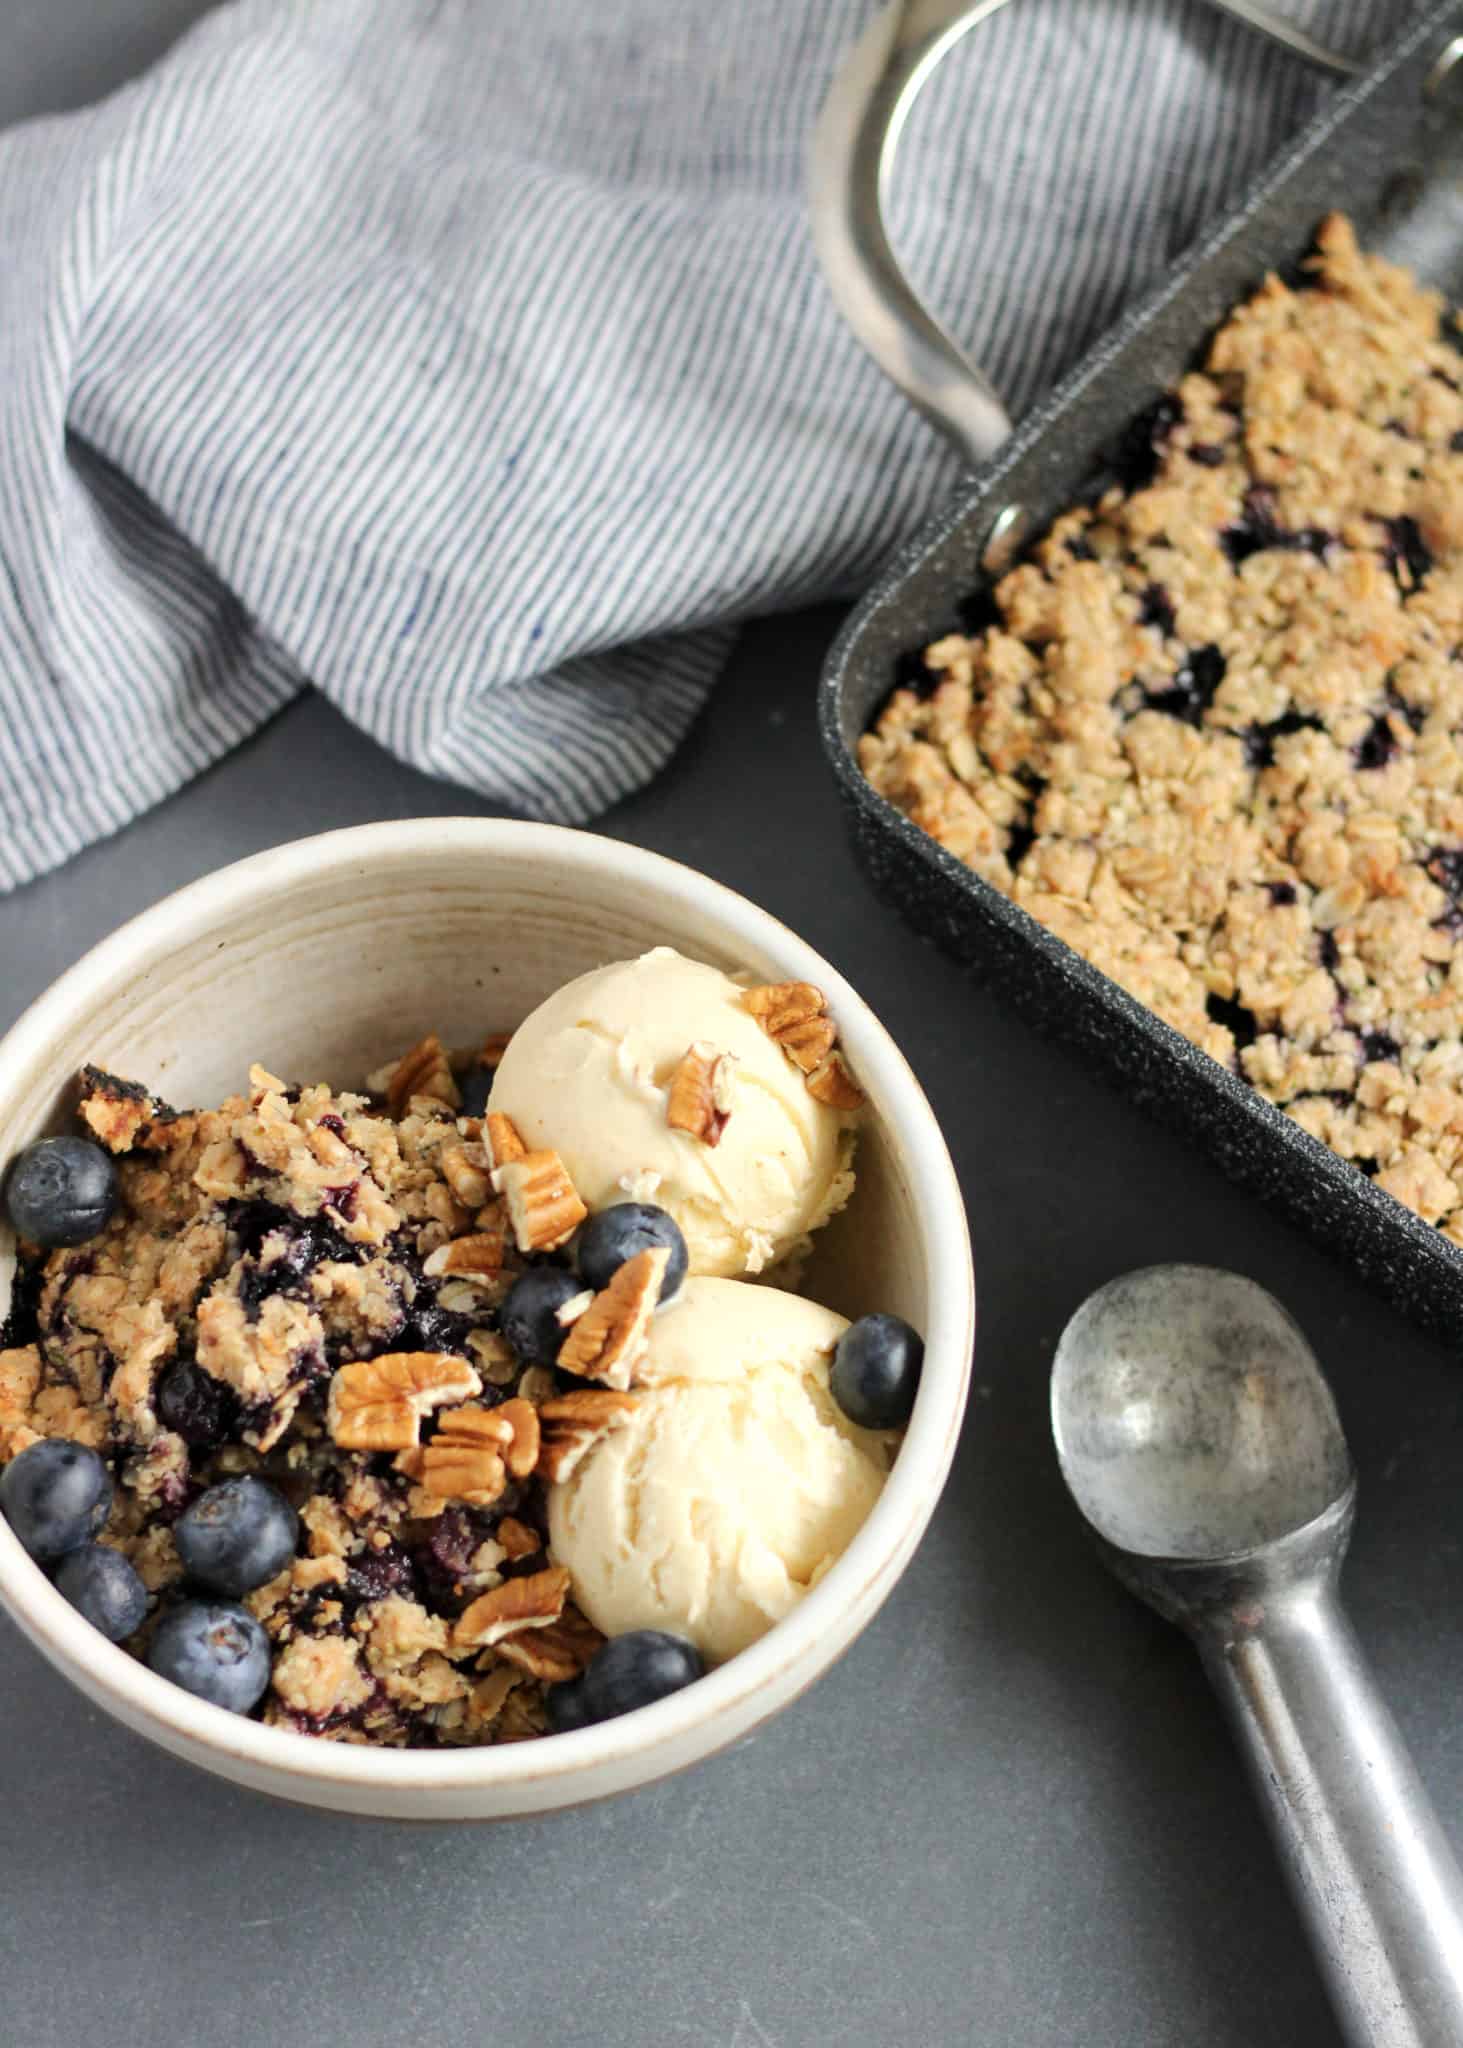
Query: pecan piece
(465, 1459)
(522, 1453)
(517, 1539)
(465, 1170)
(808, 1044)
(701, 1092)
(571, 1423)
(377, 1404)
(473, 1452)
(794, 1015)
(834, 1085)
(501, 1140)
(608, 1341)
(424, 1070)
(531, 1602)
(479, 1257)
(559, 1651)
(543, 1207)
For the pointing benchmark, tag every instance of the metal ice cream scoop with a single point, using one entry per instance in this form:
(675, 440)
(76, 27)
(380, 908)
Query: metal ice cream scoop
(1202, 1444)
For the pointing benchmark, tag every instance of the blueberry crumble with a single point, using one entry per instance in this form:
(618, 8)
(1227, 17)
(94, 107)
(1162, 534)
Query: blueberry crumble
(292, 1391)
(1212, 732)
(184, 1359)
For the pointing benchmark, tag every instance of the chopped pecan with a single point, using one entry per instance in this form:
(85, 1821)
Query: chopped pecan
(543, 1207)
(517, 1539)
(522, 1453)
(489, 1693)
(377, 1404)
(501, 1140)
(426, 1071)
(473, 1452)
(531, 1602)
(794, 1015)
(468, 1258)
(571, 1423)
(465, 1459)
(559, 1651)
(609, 1339)
(834, 1085)
(490, 1052)
(465, 1170)
(701, 1092)
(808, 1044)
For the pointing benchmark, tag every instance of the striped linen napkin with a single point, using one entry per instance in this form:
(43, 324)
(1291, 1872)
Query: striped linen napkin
(469, 361)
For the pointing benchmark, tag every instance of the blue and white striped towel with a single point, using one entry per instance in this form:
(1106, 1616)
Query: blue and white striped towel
(468, 360)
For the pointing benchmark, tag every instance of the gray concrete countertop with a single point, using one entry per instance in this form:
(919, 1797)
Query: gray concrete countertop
(1009, 1817)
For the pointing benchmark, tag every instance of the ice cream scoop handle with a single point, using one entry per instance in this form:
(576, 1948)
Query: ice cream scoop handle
(1370, 1866)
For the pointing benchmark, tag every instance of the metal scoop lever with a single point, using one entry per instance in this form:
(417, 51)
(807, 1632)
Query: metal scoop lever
(1201, 1442)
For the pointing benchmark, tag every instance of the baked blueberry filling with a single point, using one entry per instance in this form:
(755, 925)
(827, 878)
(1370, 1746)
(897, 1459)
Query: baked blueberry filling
(1157, 610)
(1191, 692)
(1408, 555)
(1135, 459)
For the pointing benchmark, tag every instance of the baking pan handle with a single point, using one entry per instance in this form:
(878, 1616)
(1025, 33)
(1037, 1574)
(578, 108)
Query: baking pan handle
(855, 146)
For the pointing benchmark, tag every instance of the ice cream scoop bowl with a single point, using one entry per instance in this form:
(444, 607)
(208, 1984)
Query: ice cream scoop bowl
(1201, 1442)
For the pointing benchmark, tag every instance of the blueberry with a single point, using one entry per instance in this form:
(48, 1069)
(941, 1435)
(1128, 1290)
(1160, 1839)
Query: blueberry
(430, 1327)
(214, 1650)
(237, 1536)
(635, 1669)
(529, 1317)
(567, 1706)
(194, 1405)
(876, 1371)
(104, 1589)
(61, 1191)
(376, 1574)
(55, 1496)
(475, 1088)
(618, 1233)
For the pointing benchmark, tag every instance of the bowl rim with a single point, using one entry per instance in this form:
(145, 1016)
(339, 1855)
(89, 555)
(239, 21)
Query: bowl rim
(877, 1554)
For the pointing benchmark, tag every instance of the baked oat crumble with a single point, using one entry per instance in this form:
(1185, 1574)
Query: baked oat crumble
(276, 1294)
(1211, 732)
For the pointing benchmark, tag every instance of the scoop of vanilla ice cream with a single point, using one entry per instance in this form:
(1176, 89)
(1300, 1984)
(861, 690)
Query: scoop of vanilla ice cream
(734, 1484)
(588, 1074)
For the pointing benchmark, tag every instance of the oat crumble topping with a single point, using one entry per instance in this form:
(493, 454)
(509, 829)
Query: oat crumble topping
(1211, 732)
(272, 1296)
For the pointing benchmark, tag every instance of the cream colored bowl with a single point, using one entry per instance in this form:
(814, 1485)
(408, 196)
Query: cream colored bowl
(324, 958)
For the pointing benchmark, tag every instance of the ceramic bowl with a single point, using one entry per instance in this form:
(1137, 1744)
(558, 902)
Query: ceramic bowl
(322, 959)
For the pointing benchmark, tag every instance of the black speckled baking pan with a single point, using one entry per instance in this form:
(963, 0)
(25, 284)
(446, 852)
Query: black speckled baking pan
(1390, 153)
